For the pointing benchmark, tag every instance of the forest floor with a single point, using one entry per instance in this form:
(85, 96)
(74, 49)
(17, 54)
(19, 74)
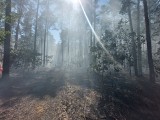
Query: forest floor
(62, 95)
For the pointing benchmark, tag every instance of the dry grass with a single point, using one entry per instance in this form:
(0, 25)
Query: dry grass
(71, 103)
(47, 97)
(58, 95)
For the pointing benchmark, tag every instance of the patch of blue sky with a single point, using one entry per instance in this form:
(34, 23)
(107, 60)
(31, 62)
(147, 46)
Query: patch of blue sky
(101, 2)
(56, 33)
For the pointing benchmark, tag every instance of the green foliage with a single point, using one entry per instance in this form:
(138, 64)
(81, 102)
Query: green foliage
(157, 62)
(2, 5)
(2, 34)
(125, 5)
(2, 12)
(104, 63)
(125, 45)
(23, 58)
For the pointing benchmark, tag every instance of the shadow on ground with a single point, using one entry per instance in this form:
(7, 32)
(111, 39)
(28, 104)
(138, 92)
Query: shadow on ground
(83, 96)
(122, 97)
(36, 85)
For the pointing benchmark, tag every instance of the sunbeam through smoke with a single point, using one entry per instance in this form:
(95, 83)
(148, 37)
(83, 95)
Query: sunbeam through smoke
(97, 37)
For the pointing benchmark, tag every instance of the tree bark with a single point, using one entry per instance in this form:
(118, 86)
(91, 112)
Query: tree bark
(44, 48)
(17, 33)
(149, 43)
(139, 41)
(7, 39)
(35, 36)
(20, 3)
(45, 34)
(94, 21)
(133, 41)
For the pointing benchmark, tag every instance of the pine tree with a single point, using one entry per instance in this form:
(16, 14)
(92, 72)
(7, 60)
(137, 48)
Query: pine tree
(149, 43)
(7, 39)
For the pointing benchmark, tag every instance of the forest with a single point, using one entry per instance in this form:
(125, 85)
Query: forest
(79, 59)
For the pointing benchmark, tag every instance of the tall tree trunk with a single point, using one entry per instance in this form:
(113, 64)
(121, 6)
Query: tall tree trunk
(68, 46)
(20, 3)
(45, 34)
(91, 21)
(35, 36)
(17, 33)
(47, 40)
(62, 42)
(94, 20)
(44, 47)
(133, 41)
(149, 44)
(62, 50)
(7, 39)
(139, 41)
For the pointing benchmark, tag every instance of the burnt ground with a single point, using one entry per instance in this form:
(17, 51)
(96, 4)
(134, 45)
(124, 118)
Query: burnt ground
(59, 95)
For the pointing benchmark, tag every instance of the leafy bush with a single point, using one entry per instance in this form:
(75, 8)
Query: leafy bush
(24, 58)
(102, 61)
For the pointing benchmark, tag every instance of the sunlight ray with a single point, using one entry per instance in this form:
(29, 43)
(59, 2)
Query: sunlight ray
(97, 37)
